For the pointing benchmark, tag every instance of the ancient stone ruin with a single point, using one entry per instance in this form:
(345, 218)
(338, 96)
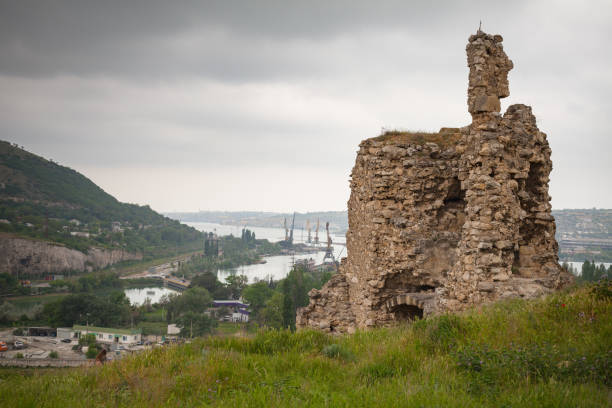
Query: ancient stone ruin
(443, 221)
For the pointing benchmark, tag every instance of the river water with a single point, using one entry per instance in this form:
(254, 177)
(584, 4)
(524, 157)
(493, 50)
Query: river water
(276, 267)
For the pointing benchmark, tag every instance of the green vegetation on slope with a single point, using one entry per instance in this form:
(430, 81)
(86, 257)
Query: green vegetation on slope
(552, 352)
(44, 200)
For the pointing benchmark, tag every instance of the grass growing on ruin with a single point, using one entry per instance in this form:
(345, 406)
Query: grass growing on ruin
(444, 138)
(553, 352)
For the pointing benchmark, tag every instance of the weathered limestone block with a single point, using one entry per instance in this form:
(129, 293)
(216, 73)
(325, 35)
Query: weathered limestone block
(443, 221)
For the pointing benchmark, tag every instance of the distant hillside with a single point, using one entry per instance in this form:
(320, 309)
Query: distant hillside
(42, 199)
(338, 220)
(584, 234)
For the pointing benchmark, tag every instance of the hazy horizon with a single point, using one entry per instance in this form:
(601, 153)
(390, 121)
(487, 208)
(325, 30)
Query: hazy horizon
(227, 106)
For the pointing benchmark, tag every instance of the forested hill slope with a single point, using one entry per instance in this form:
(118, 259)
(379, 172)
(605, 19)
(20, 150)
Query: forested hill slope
(42, 199)
(26, 177)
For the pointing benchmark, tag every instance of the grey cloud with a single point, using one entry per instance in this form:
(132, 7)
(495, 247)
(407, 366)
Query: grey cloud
(200, 89)
(224, 39)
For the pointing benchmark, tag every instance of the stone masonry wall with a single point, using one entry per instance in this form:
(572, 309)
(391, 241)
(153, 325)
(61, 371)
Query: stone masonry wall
(448, 220)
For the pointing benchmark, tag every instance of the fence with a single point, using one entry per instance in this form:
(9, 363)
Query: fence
(43, 362)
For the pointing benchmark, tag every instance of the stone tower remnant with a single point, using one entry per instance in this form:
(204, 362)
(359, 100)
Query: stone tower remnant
(444, 221)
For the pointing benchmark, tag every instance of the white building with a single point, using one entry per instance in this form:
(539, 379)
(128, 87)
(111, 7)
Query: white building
(109, 335)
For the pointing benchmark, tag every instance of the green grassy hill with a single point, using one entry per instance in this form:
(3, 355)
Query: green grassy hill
(552, 352)
(39, 198)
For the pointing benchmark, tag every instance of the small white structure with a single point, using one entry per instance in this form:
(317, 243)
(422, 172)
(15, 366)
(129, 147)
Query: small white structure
(173, 329)
(240, 317)
(109, 335)
(65, 333)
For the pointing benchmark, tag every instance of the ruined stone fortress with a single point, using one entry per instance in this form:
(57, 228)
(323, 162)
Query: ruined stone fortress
(444, 221)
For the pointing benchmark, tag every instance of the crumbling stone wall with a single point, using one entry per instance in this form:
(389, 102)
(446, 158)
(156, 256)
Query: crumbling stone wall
(447, 220)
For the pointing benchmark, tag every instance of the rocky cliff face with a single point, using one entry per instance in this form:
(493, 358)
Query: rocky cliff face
(27, 257)
(448, 220)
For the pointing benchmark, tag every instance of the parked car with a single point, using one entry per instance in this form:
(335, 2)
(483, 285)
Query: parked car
(3, 346)
(18, 344)
(66, 341)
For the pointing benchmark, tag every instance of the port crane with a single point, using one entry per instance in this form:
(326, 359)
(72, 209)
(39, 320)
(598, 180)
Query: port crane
(291, 232)
(286, 230)
(329, 251)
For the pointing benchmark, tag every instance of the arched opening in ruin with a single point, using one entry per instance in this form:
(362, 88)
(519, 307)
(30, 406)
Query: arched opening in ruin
(406, 312)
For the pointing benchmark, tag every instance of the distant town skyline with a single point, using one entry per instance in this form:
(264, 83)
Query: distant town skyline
(221, 105)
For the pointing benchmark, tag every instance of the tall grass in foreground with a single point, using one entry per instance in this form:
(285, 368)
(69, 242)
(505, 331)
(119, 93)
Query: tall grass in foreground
(552, 352)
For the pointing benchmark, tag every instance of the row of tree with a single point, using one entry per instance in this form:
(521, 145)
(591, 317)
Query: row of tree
(590, 271)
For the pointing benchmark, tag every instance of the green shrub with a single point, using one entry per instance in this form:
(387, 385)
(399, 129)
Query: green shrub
(440, 333)
(602, 290)
(338, 351)
(271, 341)
(92, 352)
(19, 355)
(87, 340)
(53, 354)
(537, 362)
(374, 372)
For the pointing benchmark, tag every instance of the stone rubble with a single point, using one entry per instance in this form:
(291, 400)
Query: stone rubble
(444, 221)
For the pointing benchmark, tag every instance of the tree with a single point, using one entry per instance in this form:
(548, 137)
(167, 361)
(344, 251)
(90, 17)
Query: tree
(206, 280)
(236, 283)
(195, 300)
(256, 296)
(272, 314)
(73, 309)
(195, 324)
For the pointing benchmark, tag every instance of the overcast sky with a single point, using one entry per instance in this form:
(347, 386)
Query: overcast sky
(261, 105)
